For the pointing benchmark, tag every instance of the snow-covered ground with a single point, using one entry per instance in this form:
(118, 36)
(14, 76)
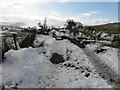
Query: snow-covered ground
(31, 67)
(93, 46)
(110, 56)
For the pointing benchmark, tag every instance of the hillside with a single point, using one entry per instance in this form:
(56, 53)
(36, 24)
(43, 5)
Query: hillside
(12, 24)
(108, 28)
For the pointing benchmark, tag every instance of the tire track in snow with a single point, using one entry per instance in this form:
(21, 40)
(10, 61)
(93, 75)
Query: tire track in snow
(101, 67)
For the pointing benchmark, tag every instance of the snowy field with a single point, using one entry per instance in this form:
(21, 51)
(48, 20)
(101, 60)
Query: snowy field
(31, 67)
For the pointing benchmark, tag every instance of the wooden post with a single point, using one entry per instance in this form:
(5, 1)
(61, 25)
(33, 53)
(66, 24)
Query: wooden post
(14, 38)
(1, 60)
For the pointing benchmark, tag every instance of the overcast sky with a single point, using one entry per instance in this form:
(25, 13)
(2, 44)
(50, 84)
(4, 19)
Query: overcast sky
(33, 11)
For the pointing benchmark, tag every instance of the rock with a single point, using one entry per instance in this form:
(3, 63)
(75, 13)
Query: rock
(65, 64)
(75, 60)
(103, 77)
(78, 63)
(87, 74)
(82, 71)
(88, 69)
(76, 67)
(76, 79)
(100, 50)
(56, 58)
(70, 65)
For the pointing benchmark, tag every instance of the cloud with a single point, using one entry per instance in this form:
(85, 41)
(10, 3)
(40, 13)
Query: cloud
(90, 13)
(87, 20)
(86, 14)
(33, 20)
(8, 2)
(56, 13)
(94, 12)
(21, 8)
(62, 1)
(19, 11)
(26, 11)
(55, 22)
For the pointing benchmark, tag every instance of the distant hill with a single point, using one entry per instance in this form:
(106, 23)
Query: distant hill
(13, 24)
(108, 28)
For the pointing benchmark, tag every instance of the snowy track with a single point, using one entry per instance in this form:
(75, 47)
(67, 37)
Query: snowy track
(102, 68)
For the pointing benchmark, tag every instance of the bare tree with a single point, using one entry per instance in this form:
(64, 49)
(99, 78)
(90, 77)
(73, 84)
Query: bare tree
(43, 26)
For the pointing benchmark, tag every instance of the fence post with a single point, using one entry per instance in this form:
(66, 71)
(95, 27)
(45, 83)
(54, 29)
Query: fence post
(14, 38)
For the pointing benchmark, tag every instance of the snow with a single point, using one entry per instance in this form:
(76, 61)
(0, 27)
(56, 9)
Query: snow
(104, 42)
(51, 32)
(31, 67)
(24, 67)
(3, 31)
(103, 35)
(0, 76)
(43, 38)
(110, 57)
(94, 46)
